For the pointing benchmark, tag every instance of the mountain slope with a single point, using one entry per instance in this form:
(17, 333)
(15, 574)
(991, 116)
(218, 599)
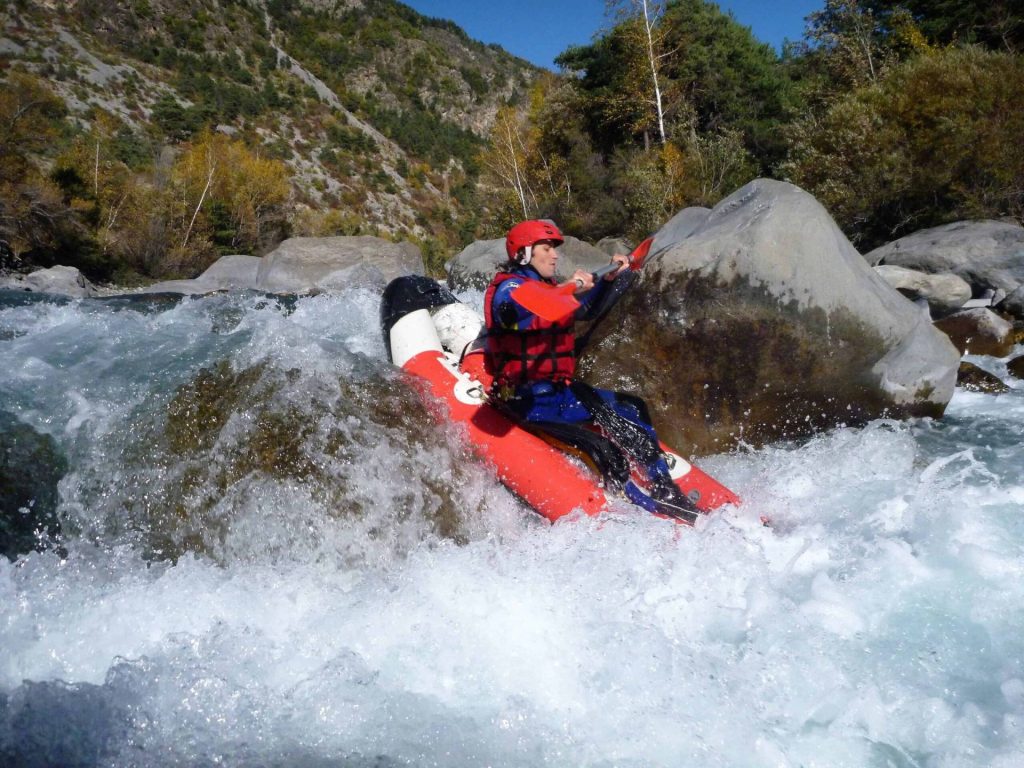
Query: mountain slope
(378, 111)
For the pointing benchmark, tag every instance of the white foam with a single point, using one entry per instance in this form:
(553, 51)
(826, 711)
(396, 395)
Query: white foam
(876, 622)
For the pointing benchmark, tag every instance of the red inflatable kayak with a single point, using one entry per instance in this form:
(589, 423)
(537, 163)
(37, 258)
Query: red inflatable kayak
(433, 336)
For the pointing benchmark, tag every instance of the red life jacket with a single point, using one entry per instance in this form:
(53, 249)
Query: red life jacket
(544, 351)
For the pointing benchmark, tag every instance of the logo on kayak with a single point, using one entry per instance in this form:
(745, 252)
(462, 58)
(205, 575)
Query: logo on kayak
(677, 465)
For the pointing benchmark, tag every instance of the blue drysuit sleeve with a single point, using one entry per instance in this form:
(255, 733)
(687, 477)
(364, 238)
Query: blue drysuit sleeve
(509, 314)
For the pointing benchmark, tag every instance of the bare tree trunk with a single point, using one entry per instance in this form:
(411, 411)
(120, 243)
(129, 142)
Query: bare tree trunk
(202, 197)
(652, 58)
(517, 180)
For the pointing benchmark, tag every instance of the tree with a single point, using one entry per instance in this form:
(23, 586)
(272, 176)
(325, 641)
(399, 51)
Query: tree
(935, 140)
(640, 19)
(226, 197)
(506, 160)
(32, 214)
(854, 39)
(995, 24)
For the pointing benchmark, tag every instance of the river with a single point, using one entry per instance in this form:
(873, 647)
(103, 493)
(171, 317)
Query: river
(270, 557)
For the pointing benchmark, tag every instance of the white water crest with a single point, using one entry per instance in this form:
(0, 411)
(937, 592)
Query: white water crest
(269, 556)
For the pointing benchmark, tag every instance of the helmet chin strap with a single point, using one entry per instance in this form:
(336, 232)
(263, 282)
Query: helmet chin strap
(527, 255)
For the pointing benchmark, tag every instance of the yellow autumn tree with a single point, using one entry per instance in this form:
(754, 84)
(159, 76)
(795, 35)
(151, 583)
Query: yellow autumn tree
(506, 161)
(225, 197)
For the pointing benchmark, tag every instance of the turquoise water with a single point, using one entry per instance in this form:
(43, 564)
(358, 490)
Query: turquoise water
(374, 598)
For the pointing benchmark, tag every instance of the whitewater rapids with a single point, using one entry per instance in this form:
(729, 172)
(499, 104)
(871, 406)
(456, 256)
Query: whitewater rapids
(268, 557)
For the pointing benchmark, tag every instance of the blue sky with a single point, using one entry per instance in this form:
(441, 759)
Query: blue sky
(539, 30)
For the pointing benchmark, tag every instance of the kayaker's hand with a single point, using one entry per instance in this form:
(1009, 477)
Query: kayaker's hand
(622, 261)
(584, 280)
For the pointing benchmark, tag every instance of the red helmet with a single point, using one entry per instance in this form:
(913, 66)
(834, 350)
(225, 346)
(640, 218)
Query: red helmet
(529, 232)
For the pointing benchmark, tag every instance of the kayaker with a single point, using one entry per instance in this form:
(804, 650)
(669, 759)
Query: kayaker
(533, 362)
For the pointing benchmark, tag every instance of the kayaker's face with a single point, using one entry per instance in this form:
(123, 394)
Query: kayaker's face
(545, 258)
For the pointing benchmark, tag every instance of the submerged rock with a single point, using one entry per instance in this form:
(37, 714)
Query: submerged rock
(766, 323)
(1016, 367)
(975, 379)
(31, 465)
(978, 332)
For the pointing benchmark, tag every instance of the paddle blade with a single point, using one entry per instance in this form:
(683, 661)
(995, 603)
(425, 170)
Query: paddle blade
(639, 254)
(547, 301)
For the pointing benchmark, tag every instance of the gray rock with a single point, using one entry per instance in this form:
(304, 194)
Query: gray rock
(63, 281)
(1016, 367)
(678, 228)
(236, 272)
(975, 379)
(944, 293)
(765, 323)
(613, 245)
(978, 331)
(307, 264)
(1013, 304)
(989, 255)
(475, 266)
(12, 282)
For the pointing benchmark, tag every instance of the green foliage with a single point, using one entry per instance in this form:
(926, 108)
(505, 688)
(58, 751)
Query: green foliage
(475, 80)
(716, 75)
(994, 25)
(936, 140)
(177, 122)
(421, 132)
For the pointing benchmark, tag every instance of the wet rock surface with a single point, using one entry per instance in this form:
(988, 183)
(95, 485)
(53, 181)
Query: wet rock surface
(765, 323)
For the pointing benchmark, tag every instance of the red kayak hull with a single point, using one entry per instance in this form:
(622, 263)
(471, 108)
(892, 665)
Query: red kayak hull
(544, 477)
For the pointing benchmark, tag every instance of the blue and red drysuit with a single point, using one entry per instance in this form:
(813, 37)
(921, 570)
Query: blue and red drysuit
(533, 362)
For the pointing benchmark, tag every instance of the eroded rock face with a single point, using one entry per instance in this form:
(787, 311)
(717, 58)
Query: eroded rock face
(765, 323)
(987, 254)
(309, 264)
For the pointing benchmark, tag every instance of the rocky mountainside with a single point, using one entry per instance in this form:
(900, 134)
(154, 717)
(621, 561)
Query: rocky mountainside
(378, 111)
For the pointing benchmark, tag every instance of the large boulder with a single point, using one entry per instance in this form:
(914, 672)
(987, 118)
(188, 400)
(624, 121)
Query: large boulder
(944, 293)
(613, 245)
(62, 281)
(678, 228)
(765, 323)
(987, 254)
(235, 272)
(475, 266)
(310, 264)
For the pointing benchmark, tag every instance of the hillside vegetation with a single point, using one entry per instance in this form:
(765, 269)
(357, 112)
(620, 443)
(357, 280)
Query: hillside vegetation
(143, 138)
(149, 136)
(896, 116)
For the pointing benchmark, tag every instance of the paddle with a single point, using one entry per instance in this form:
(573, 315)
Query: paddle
(555, 302)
